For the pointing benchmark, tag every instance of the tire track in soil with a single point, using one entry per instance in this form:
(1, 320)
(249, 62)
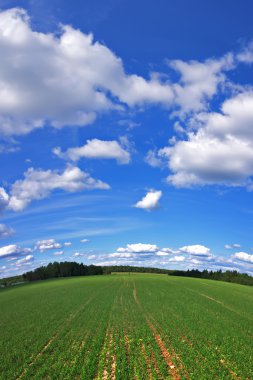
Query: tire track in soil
(155, 364)
(225, 364)
(109, 370)
(126, 344)
(168, 357)
(107, 356)
(113, 367)
(193, 342)
(147, 361)
(108, 340)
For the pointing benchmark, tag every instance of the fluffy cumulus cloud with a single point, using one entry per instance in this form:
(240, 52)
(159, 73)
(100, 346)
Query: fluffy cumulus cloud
(38, 184)
(150, 201)
(71, 78)
(84, 240)
(68, 80)
(199, 81)
(5, 231)
(96, 149)
(162, 253)
(220, 151)
(13, 250)
(138, 248)
(243, 256)
(196, 250)
(47, 244)
(177, 259)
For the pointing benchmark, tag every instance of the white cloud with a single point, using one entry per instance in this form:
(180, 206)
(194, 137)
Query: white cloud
(150, 201)
(166, 252)
(71, 79)
(243, 256)
(197, 249)
(162, 253)
(199, 81)
(13, 249)
(26, 259)
(92, 257)
(66, 82)
(139, 248)
(58, 253)
(220, 151)
(169, 250)
(4, 199)
(5, 231)
(44, 245)
(38, 184)
(84, 240)
(187, 257)
(231, 246)
(246, 55)
(152, 160)
(177, 259)
(78, 254)
(96, 149)
(121, 255)
(67, 244)
(194, 261)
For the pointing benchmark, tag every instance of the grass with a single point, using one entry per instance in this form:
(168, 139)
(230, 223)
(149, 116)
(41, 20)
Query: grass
(135, 326)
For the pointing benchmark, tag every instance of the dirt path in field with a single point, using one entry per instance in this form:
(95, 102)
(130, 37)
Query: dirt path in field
(168, 357)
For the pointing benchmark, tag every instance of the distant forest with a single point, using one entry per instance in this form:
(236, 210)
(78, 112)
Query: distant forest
(69, 269)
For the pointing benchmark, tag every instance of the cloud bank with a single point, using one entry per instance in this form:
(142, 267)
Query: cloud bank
(71, 79)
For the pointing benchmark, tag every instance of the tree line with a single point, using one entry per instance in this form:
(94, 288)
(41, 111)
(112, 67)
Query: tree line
(228, 276)
(62, 269)
(69, 269)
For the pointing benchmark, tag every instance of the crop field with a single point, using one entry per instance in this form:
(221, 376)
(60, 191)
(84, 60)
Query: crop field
(127, 326)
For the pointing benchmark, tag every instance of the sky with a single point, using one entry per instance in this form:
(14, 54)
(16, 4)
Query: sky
(126, 134)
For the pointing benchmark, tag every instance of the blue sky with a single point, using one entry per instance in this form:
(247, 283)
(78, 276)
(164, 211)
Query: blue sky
(126, 134)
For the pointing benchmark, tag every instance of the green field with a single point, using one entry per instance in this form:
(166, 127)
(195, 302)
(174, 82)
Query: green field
(136, 326)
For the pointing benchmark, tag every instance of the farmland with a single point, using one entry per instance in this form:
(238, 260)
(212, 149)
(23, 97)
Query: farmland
(127, 326)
